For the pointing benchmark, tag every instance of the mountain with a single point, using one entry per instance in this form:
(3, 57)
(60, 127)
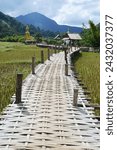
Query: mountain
(10, 26)
(45, 23)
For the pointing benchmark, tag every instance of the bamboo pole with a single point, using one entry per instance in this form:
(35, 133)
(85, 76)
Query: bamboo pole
(75, 97)
(18, 88)
(66, 69)
(42, 56)
(33, 65)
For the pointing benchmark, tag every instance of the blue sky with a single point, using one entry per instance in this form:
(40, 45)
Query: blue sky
(71, 12)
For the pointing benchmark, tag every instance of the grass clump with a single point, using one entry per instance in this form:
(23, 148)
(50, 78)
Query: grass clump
(15, 58)
(87, 64)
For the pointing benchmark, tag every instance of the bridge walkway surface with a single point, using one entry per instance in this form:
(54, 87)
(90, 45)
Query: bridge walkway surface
(46, 118)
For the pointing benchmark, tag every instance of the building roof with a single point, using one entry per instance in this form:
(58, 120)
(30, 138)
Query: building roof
(69, 36)
(74, 36)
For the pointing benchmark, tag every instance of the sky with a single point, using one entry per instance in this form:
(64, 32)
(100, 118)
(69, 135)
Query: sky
(68, 12)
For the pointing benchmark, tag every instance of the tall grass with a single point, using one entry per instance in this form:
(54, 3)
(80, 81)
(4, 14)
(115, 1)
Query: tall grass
(18, 52)
(14, 58)
(87, 64)
(8, 79)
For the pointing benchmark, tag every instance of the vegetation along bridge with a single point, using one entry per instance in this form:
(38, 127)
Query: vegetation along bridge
(51, 115)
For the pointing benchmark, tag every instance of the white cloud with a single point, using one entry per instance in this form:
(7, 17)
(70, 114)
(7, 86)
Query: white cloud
(78, 12)
(34, 3)
(72, 12)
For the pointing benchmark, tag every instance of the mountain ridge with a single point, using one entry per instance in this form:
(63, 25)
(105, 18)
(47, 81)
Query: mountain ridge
(9, 26)
(45, 23)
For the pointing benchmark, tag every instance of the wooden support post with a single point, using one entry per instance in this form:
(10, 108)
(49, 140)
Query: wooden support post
(33, 65)
(66, 56)
(48, 54)
(42, 56)
(66, 69)
(65, 53)
(51, 51)
(75, 97)
(18, 88)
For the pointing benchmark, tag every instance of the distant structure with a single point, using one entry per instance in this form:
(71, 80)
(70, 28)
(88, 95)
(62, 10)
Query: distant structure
(27, 33)
(28, 38)
(71, 38)
(68, 38)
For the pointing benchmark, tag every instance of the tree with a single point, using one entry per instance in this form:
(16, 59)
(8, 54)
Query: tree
(95, 34)
(38, 37)
(91, 36)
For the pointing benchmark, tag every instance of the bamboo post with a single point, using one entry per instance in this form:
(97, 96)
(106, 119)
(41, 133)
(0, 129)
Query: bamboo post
(66, 56)
(42, 56)
(51, 51)
(48, 54)
(33, 65)
(75, 97)
(66, 69)
(18, 88)
(55, 49)
(65, 53)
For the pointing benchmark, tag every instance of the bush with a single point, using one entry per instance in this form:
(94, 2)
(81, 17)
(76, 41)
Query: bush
(14, 38)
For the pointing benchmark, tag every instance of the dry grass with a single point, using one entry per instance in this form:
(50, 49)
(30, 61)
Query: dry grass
(87, 64)
(14, 58)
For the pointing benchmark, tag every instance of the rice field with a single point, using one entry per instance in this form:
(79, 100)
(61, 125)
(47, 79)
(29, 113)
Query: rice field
(15, 58)
(87, 64)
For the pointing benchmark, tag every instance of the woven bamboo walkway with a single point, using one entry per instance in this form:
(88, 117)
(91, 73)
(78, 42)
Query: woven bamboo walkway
(46, 118)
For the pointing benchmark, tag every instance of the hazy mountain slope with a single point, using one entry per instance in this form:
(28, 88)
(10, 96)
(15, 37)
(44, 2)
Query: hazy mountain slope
(43, 22)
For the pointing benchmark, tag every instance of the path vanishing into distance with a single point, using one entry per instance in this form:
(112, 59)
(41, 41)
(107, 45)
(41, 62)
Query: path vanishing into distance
(46, 119)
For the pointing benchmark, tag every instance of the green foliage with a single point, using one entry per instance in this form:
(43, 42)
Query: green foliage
(14, 58)
(52, 41)
(8, 80)
(91, 36)
(86, 38)
(48, 33)
(38, 37)
(95, 34)
(14, 38)
(9, 26)
(87, 64)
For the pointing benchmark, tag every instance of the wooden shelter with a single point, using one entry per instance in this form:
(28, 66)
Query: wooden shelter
(71, 38)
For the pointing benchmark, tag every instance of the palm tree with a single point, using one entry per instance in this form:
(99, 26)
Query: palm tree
(91, 35)
(95, 34)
